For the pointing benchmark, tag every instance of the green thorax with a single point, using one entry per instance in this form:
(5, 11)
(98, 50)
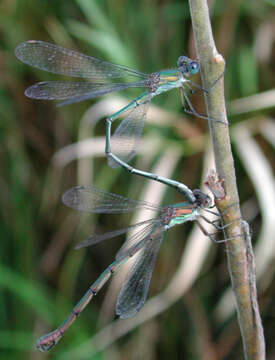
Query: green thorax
(182, 212)
(170, 79)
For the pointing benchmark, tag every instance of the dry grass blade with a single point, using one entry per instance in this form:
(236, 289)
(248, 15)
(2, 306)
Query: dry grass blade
(264, 100)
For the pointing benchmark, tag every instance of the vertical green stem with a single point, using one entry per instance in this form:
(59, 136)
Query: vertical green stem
(239, 256)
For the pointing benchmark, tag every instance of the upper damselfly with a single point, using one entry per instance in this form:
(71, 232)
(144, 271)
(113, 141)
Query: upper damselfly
(99, 75)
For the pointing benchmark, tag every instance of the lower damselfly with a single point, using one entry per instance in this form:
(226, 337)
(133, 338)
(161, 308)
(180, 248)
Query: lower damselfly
(144, 242)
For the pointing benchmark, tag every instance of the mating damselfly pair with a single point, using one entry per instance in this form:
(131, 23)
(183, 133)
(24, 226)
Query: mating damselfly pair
(146, 237)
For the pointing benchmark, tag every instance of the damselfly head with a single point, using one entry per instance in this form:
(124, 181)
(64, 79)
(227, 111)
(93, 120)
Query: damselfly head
(188, 66)
(202, 199)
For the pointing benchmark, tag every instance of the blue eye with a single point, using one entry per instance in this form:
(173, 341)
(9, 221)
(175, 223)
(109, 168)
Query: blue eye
(193, 67)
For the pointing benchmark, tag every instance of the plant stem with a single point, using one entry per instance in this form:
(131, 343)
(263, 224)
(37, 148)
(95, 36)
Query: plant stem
(240, 255)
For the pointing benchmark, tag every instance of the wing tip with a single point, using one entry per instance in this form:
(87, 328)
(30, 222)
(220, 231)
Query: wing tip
(128, 313)
(71, 197)
(20, 49)
(40, 91)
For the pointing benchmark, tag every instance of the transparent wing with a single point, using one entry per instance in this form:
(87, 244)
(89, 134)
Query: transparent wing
(58, 60)
(135, 289)
(137, 240)
(95, 239)
(74, 91)
(127, 135)
(92, 199)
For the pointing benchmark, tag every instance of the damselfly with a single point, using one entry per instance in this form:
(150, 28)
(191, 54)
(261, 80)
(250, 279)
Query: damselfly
(144, 242)
(58, 60)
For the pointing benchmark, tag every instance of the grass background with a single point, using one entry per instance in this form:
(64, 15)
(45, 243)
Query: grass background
(41, 276)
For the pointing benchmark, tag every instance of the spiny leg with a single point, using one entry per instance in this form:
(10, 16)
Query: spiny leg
(222, 227)
(216, 81)
(219, 228)
(200, 88)
(192, 110)
(220, 215)
(210, 235)
(213, 212)
(229, 207)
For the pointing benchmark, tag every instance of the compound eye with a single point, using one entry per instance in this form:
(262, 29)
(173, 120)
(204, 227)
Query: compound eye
(181, 61)
(193, 67)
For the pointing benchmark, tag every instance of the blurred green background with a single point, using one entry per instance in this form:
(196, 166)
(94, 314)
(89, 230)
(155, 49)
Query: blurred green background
(41, 275)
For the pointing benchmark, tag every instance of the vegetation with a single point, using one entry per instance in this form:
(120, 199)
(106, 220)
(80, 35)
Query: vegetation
(41, 275)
